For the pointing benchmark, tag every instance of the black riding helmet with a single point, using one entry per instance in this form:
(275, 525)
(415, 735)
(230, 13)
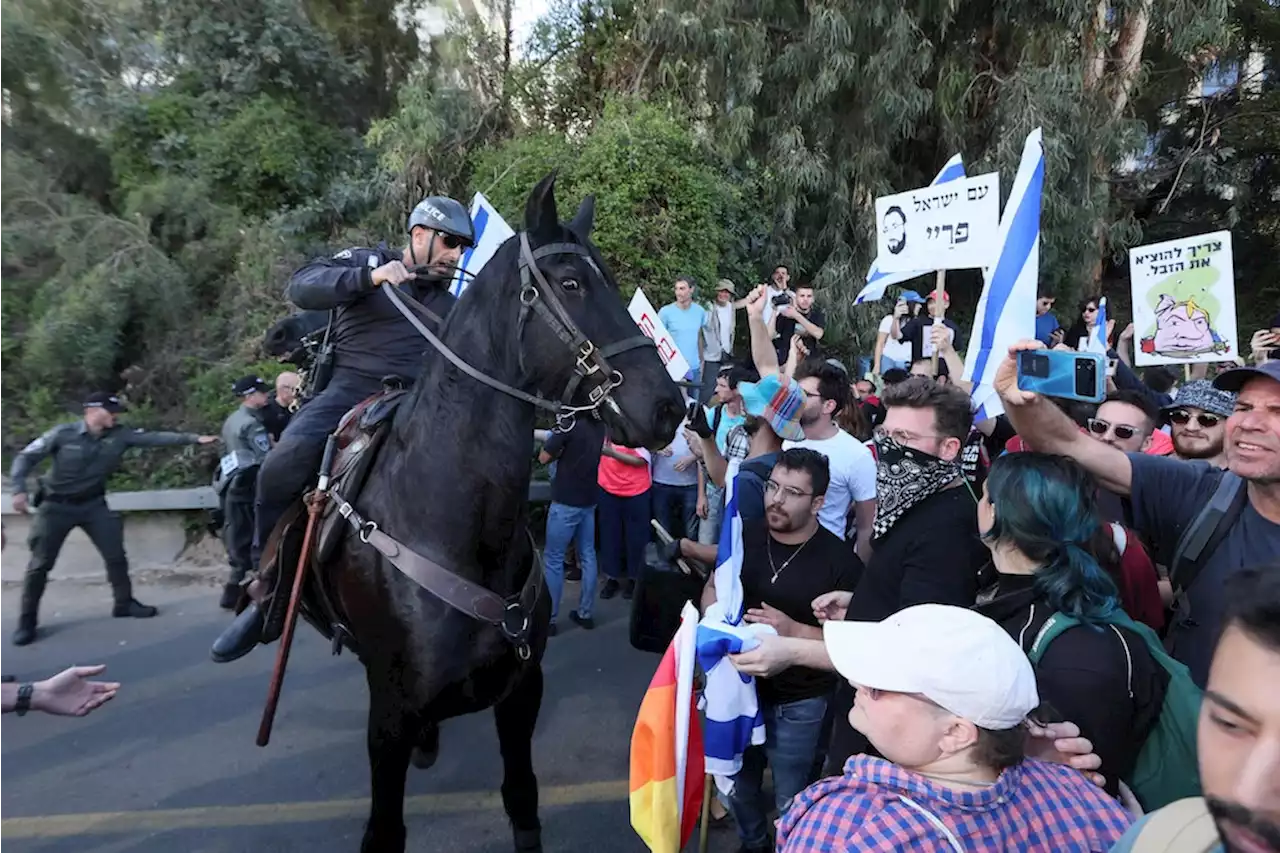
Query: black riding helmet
(443, 214)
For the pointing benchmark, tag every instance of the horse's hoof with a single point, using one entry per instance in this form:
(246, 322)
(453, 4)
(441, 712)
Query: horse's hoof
(383, 842)
(528, 840)
(427, 749)
(422, 758)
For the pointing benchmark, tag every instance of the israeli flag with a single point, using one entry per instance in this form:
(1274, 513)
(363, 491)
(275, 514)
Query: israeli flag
(878, 281)
(491, 232)
(1098, 335)
(733, 719)
(1007, 309)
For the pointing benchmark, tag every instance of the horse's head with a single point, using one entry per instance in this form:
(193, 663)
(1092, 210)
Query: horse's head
(587, 351)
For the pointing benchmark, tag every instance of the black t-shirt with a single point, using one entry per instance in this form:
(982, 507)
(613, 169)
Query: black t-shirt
(822, 564)
(275, 418)
(916, 328)
(786, 327)
(577, 455)
(932, 555)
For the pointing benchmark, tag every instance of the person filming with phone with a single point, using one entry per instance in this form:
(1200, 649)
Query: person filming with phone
(1203, 522)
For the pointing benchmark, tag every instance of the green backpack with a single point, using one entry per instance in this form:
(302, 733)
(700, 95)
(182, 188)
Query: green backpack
(1167, 769)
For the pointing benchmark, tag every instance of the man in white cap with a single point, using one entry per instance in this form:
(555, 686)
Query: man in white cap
(944, 694)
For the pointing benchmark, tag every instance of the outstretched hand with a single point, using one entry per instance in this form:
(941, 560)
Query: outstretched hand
(69, 694)
(756, 302)
(1006, 379)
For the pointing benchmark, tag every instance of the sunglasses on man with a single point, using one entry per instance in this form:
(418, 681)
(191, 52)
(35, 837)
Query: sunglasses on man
(1207, 420)
(1124, 432)
(452, 241)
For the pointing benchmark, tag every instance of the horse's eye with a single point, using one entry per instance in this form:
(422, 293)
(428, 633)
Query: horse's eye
(569, 283)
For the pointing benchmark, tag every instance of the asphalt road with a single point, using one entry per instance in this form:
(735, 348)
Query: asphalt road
(171, 765)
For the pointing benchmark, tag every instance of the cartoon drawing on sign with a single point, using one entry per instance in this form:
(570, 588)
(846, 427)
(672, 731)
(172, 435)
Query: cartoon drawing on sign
(1185, 306)
(895, 228)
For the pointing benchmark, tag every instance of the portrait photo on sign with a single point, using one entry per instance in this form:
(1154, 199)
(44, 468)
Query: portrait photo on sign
(1184, 305)
(948, 226)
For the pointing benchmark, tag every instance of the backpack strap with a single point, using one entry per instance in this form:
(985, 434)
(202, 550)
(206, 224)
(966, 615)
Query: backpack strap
(1056, 624)
(1181, 827)
(1206, 531)
(715, 420)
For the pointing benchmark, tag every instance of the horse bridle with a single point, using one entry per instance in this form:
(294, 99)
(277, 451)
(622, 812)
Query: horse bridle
(537, 296)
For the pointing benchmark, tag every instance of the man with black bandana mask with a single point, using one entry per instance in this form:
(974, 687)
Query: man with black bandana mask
(371, 340)
(925, 546)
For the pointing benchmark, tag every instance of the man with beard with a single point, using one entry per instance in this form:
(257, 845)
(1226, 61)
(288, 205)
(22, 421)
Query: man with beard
(1198, 422)
(788, 559)
(1238, 738)
(1168, 495)
(925, 546)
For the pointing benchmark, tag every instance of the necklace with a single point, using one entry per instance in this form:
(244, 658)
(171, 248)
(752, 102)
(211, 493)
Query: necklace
(768, 547)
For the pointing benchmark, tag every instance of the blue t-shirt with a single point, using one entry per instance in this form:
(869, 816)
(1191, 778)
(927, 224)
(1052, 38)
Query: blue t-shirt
(1046, 325)
(684, 325)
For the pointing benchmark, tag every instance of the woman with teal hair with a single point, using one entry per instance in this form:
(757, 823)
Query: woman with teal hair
(1049, 545)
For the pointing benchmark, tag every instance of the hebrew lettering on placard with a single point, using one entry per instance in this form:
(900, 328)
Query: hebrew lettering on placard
(948, 198)
(1198, 263)
(950, 229)
(977, 193)
(962, 232)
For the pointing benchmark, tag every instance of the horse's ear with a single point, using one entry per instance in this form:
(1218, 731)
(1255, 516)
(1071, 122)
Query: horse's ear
(540, 210)
(584, 219)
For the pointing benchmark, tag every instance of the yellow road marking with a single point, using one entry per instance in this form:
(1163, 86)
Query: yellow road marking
(216, 817)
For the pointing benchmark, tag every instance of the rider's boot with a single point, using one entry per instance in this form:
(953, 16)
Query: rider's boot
(244, 632)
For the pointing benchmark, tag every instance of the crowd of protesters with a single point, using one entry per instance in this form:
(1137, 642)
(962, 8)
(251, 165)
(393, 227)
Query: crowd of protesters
(1006, 634)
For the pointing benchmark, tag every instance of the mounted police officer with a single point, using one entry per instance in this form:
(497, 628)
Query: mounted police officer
(246, 440)
(85, 453)
(371, 341)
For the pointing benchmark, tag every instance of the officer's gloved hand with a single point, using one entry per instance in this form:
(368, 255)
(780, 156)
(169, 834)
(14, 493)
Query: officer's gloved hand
(697, 418)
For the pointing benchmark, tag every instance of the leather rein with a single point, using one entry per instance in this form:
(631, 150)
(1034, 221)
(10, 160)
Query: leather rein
(511, 615)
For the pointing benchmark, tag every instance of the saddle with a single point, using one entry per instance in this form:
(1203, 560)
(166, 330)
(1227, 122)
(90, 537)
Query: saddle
(359, 436)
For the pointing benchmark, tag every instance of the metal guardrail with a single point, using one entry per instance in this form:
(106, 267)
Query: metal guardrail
(204, 497)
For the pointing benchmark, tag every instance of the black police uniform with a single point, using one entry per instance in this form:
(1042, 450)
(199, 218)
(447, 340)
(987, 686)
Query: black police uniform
(371, 340)
(246, 442)
(72, 495)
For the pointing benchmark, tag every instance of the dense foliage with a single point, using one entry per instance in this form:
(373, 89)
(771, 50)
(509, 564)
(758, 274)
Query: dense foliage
(166, 165)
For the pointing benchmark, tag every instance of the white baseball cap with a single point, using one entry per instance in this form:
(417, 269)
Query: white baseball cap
(956, 658)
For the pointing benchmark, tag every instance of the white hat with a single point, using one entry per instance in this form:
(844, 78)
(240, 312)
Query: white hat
(958, 659)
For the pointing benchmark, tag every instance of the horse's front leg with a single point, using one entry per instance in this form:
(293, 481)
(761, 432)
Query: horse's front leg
(517, 715)
(392, 733)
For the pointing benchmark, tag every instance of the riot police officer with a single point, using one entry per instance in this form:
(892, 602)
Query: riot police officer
(246, 441)
(85, 453)
(371, 341)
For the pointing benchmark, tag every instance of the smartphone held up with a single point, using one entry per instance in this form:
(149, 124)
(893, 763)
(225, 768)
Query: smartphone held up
(1057, 373)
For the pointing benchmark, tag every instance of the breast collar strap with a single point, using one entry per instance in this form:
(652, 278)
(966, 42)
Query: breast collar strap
(538, 296)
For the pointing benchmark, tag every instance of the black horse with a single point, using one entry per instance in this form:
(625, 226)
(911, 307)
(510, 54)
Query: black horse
(450, 483)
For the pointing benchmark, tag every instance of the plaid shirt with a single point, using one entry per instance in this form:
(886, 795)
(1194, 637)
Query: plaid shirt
(877, 805)
(737, 444)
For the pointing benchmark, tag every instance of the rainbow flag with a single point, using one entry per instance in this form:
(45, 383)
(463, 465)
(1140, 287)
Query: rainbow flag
(666, 748)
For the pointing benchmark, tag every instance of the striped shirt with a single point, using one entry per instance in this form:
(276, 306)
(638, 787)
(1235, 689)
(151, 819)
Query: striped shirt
(877, 805)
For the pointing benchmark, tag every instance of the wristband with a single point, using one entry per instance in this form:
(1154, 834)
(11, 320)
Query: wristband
(24, 698)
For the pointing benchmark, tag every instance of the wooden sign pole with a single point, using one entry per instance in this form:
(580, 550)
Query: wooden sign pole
(939, 311)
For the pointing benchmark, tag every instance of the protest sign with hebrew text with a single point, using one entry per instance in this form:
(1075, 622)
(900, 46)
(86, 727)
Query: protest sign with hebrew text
(948, 226)
(646, 318)
(1184, 300)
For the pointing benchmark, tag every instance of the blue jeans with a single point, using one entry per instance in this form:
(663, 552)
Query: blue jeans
(709, 527)
(676, 509)
(565, 524)
(624, 532)
(792, 735)
(887, 364)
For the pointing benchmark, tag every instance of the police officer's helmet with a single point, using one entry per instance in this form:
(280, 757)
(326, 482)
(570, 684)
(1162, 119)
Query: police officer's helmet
(443, 214)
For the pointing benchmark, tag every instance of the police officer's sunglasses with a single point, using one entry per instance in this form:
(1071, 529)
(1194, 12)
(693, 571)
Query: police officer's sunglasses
(452, 241)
